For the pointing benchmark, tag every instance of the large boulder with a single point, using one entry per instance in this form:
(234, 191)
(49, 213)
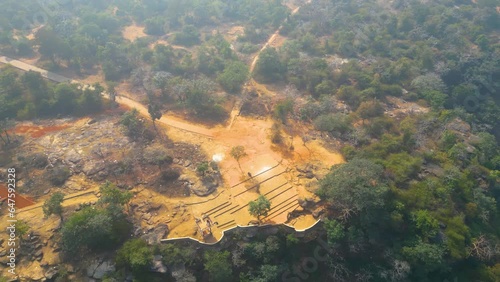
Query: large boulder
(93, 167)
(204, 188)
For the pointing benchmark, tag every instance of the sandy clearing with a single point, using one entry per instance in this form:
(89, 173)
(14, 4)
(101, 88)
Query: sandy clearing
(133, 32)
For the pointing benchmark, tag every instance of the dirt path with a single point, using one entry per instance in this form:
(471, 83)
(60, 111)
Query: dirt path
(251, 83)
(27, 67)
(166, 120)
(273, 37)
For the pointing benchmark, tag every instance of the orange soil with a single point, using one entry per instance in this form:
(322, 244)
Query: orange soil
(36, 131)
(231, 205)
(20, 200)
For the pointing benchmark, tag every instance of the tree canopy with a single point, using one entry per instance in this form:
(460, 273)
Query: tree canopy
(259, 207)
(357, 184)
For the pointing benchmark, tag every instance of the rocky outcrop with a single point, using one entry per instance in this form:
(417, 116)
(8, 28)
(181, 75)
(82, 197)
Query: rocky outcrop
(203, 188)
(51, 273)
(157, 265)
(156, 235)
(98, 268)
(459, 126)
(306, 171)
(32, 247)
(309, 202)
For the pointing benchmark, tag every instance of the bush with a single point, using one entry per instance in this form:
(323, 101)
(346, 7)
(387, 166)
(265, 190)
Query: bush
(58, 175)
(218, 266)
(38, 160)
(370, 109)
(157, 155)
(334, 123)
(378, 126)
(173, 255)
(169, 175)
(248, 48)
(276, 137)
(93, 229)
(135, 255)
(154, 26)
(403, 166)
(234, 75)
(283, 109)
(202, 168)
(188, 37)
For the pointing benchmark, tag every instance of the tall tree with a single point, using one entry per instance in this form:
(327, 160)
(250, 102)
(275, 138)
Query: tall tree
(237, 153)
(155, 113)
(111, 88)
(53, 205)
(259, 207)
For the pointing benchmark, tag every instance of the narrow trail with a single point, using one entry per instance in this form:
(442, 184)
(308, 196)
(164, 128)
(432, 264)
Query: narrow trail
(251, 83)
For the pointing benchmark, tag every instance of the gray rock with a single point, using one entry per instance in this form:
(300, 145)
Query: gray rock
(103, 269)
(38, 254)
(158, 266)
(93, 167)
(146, 216)
(156, 234)
(51, 273)
(306, 168)
(92, 267)
(317, 212)
(308, 175)
(73, 157)
(459, 125)
(180, 273)
(70, 268)
(206, 187)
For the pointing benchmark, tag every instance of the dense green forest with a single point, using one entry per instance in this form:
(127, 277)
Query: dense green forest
(419, 196)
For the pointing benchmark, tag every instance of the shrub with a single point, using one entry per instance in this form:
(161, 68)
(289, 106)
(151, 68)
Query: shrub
(334, 123)
(58, 175)
(169, 175)
(135, 255)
